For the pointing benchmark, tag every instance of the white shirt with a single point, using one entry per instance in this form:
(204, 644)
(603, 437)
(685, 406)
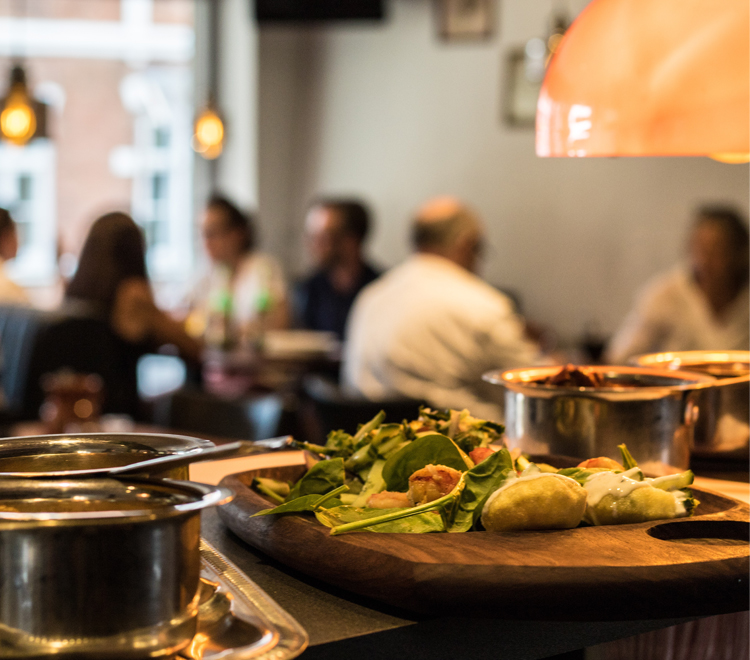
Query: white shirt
(10, 292)
(428, 329)
(259, 281)
(672, 314)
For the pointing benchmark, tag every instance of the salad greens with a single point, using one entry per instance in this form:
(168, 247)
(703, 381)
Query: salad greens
(306, 503)
(431, 448)
(321, 478)
(459, 510)
(416, 523)
(380, 458)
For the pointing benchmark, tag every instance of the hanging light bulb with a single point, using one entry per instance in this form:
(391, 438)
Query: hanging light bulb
(18, 119)
(208, 139)
(560, 25)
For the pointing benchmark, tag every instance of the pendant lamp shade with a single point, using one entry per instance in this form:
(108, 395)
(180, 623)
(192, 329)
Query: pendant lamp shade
(650, 78)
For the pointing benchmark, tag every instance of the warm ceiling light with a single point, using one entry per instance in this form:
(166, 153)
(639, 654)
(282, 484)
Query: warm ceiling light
(208, 140)
(17, 119)
(650, 78)
(733, 159)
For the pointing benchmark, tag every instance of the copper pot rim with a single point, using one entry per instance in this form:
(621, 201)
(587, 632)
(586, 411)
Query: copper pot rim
(195, 497)
(682, 361)
(522, 379)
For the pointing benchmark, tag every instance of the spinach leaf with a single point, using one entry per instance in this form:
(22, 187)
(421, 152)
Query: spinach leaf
(480, 482)
(321, 478)
(305, 503)
(420, 523)
(296, 505)
(432, 448)
(446, 502)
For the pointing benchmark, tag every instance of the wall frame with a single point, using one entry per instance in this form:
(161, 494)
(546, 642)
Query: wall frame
(465, 20)
(520, 91)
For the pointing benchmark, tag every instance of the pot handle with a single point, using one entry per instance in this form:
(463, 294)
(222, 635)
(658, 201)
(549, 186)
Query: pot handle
(222, 495)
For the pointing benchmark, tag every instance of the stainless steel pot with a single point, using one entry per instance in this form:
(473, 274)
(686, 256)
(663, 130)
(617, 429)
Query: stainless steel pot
(42, 454)
(725, 426)
(99, 568)
(653, 412)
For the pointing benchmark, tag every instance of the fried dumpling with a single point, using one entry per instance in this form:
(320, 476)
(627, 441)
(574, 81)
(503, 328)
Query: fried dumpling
(627, 497)
(535, 501)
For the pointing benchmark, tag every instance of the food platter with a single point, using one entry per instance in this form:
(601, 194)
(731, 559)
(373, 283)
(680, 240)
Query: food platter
(690, 567)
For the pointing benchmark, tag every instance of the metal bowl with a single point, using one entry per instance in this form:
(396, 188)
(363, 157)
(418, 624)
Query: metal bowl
(100, 568)
(40, 454)
(725, 426)
(653, 412)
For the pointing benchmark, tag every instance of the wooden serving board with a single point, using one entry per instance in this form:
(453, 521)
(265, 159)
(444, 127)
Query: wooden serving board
(665, 569)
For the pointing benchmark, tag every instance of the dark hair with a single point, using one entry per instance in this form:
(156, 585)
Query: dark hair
(114, 251)
(235, 219)
(6, 222)
(354, 214)
(730, 220)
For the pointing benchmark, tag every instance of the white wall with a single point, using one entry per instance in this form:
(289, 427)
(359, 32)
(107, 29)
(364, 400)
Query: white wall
(391, 113)
(237, 168)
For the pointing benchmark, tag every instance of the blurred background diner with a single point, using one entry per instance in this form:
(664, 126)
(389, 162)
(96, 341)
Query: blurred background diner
(243, 293)
(701, 304)
(429, 328)
(111, 284)
(335, 229)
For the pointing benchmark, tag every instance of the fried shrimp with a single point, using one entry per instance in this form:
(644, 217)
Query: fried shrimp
(389, 500)
(431, 483)
(601, 462)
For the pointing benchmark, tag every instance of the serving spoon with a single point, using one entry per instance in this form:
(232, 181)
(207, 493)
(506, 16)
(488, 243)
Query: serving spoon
(162, 463)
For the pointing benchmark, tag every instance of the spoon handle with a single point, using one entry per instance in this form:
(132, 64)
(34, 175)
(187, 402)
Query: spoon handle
(229, 450)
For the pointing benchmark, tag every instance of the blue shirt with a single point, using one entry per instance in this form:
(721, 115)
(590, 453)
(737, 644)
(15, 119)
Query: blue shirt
(319, 306)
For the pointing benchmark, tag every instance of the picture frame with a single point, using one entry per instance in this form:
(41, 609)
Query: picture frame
(465, 20)
(520, 91)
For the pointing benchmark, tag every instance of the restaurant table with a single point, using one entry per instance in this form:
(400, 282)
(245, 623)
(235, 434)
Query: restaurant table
(345, 625)
(241, 371)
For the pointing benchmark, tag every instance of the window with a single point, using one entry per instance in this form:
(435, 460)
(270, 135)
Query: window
(27, 190)
(118, 76)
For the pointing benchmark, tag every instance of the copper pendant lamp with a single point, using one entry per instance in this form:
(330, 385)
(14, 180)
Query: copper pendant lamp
(650, 78)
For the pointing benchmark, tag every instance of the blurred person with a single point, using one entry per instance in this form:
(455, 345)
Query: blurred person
(336, 230)
(429, 328)
(10, 292)
(244, 291)
(701, 304)
(111, 280)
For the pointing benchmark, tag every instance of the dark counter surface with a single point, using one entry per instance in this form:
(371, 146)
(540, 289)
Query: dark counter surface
(345, 625)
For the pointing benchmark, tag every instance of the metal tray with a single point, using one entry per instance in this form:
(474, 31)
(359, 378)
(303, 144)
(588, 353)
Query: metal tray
(237, 620)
